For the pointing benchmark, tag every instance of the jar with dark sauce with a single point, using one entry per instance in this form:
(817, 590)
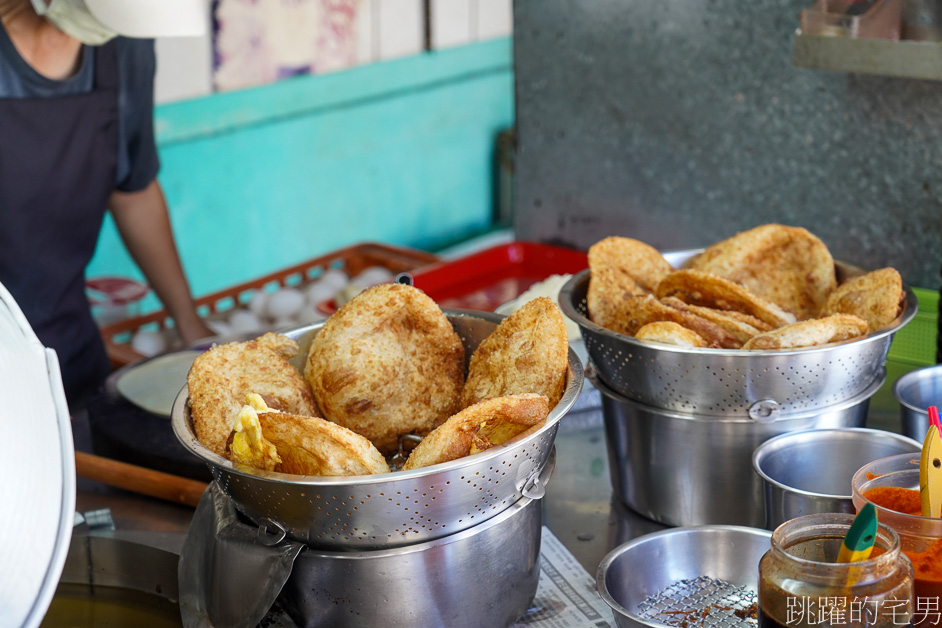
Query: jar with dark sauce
(801, 584)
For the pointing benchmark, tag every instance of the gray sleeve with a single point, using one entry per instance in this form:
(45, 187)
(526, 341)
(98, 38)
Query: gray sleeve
(138, 163)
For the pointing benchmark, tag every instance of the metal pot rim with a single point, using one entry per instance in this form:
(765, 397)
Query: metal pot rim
(674, 414)
(907, 378)
(617, 553)
(770, 446)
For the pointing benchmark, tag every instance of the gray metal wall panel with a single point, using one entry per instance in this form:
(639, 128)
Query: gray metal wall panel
(681, 122)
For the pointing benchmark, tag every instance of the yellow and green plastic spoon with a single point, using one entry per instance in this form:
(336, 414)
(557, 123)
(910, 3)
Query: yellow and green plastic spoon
(859, 540)
(930, 468)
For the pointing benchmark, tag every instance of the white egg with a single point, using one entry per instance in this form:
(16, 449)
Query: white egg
(258, 304)
(335, 278)
(220, 328)
(310, 314)
(346, 293)
(244, 321)
(284, 303)
(285, 323)
(148, 343)
(320, 291)
(373, 275)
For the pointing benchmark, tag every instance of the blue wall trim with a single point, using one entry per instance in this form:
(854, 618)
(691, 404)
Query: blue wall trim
(401, 152)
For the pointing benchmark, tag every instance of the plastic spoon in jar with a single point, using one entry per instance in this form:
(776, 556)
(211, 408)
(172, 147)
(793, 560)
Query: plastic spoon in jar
(859, 540)
(930, 469)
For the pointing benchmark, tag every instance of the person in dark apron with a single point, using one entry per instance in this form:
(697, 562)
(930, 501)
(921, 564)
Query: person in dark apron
(59, 154)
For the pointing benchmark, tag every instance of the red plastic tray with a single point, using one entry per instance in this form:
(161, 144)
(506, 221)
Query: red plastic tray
(488, 278)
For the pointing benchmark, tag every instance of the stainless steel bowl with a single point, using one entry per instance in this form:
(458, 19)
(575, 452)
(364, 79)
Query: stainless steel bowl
(686, 469)
(639, 569)
(812, 471)
(916, 391)
(729, 382)
(393, 509)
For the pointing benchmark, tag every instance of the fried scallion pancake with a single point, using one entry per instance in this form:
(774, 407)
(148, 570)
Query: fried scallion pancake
(526, 353)
(635, 312)
(876, 297)
(246, 444)
(485, 424)
(670, 333)
(707, 290)
(810, 333)
(788, 266)
(608, 287)
(387, 363)
(620, 268)
(646, 266)
(221, 377)
(312, 446)
(277, 441)
(741, 326)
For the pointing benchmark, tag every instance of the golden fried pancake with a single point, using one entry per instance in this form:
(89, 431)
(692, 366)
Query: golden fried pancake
(387, 363)
(221, 377)
(875, 297)
(488, 423)
(635, 312)
(707, 290)
(311, 446)
(670, 333)
(246, 444)
(642, 262)
(788, 266)
(526, 353)
(741, 326)
(607, 288)
(819, 331)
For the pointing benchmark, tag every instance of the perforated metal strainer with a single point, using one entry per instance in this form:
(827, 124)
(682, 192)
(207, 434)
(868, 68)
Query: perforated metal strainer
(396, 509)
(729, 382)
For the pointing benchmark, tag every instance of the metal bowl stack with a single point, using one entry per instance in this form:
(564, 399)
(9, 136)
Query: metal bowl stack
(396, 509)
(682, 423)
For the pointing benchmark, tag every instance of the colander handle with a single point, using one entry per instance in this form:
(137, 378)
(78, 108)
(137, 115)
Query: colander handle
(269, 539)
(533, 488)
(765, 411)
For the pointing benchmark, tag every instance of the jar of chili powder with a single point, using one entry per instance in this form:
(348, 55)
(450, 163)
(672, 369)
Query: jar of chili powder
(892, 485)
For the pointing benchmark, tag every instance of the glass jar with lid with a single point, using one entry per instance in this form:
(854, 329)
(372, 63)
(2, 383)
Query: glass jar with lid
(802, 584)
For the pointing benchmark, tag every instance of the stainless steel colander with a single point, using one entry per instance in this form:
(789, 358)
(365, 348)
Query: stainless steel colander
(727, 382)
(395, 509)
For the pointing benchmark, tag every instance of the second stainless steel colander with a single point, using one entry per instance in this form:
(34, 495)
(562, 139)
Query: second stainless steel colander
(730, 382)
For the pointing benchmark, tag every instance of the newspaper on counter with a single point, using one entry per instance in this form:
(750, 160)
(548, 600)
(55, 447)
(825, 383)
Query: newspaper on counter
(566, 596)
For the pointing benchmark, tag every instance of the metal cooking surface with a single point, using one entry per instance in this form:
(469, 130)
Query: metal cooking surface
(703, 601)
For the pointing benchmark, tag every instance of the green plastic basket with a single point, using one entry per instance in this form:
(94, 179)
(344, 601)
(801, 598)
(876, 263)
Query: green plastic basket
(913, 347)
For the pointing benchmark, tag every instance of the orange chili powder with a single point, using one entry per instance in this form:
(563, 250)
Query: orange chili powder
(904, 500)
(927, 564)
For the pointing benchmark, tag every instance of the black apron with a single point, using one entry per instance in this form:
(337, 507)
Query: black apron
(58, 158)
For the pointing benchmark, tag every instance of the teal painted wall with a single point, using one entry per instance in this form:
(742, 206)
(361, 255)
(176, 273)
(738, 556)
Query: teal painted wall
(401, 152)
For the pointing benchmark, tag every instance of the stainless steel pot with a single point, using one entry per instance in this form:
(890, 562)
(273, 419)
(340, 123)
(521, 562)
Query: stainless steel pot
(811, 471)
(684, 469)
(916, 391)
(483, 576)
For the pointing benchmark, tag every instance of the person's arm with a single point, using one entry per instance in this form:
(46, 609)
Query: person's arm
(144, 225)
